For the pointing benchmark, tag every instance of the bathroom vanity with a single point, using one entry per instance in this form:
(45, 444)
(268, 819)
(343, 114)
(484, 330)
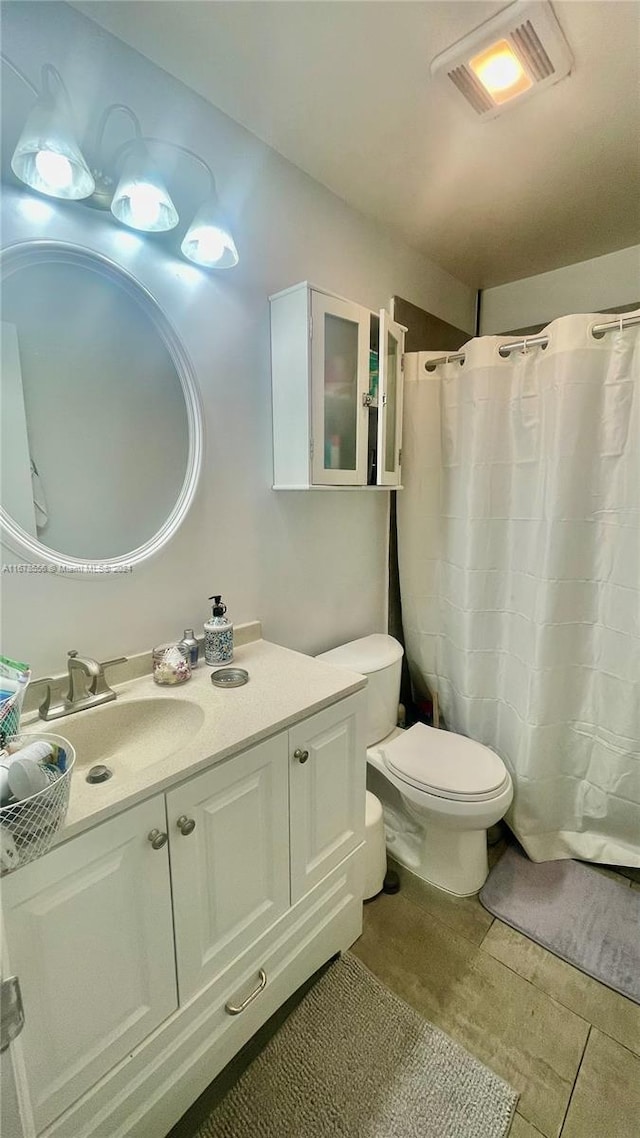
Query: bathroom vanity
(189, 895)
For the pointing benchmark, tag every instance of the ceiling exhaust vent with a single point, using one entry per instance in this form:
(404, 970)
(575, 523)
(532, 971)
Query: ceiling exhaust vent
(507, 59)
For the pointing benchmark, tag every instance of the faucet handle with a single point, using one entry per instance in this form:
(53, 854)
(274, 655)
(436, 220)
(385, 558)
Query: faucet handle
(118, 660)
(46, 702)
(99, 685)
(43, 709)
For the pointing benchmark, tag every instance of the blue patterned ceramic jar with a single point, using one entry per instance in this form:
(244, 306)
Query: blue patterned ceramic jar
(218, 635)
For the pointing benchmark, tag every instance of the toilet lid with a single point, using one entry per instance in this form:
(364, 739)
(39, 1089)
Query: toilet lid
(445, 764)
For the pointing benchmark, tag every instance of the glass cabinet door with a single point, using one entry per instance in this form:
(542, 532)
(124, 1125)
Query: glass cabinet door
(390, 400)
(340, 379)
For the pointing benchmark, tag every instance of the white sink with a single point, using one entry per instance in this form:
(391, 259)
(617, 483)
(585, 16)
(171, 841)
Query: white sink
(134, 732)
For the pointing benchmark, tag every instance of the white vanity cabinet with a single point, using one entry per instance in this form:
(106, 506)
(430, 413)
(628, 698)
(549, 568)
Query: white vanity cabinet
(150, 948)
(337, 417)
(89, 933)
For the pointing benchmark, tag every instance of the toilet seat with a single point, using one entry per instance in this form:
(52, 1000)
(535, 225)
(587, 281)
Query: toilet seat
(445, 764)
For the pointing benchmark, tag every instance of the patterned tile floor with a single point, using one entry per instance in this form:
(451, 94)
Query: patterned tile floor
(569, 1045)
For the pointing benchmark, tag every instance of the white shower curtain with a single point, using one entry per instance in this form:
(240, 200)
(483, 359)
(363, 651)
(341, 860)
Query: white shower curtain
(519, 552)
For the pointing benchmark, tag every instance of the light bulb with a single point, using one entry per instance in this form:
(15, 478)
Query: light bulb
(145, 203)
(499, 72)
(208, 244)
(141, 200)
(55, 170)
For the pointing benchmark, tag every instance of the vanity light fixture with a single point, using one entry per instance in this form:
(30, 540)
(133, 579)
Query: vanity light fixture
(208, 240)
(129, 184)
(141, 200)
(47, 157)
(507, 59)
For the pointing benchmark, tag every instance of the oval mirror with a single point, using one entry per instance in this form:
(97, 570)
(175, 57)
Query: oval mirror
(101, 423)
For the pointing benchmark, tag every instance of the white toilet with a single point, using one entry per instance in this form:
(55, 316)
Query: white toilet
(440, 791)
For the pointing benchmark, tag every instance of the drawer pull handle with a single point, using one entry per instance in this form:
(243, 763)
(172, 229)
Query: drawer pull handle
(300, 755)
(185, 825)
(235, 1009)
(157, 839)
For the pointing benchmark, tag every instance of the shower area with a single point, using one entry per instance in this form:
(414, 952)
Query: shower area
(519, 567)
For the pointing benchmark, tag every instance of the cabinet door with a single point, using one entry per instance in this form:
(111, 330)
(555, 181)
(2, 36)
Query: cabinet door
(339, 380)
(327, 759)
(390, 400)
(89, 934)
(16, 1117)
(229, 859)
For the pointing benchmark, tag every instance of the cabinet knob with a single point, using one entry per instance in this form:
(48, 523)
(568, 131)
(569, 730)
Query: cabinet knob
(185, 825)
(301, 756)
(157, 838)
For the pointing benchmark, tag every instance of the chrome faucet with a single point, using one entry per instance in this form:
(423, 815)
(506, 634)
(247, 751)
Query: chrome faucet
(87, 687)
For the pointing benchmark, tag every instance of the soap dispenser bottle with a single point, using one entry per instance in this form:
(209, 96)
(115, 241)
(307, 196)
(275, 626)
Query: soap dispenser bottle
(218, 635)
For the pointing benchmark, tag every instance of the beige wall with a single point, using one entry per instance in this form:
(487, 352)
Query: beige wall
(589, 286)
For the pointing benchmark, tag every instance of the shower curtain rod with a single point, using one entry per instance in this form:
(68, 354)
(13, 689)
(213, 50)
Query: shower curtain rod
(537, 341)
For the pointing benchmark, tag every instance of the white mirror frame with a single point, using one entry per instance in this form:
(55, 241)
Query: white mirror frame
(26, 253)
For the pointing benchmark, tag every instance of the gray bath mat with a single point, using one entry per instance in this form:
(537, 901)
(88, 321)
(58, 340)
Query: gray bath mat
(577, 913)
(353, 1061)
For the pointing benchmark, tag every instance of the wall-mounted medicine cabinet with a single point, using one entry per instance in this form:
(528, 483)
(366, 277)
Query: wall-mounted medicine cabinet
(336, 376)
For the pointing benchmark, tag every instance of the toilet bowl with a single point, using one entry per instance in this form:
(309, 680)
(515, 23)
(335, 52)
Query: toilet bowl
(440, 791)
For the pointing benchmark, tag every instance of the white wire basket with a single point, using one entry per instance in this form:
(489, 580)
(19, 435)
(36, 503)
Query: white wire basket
(29, 826)
(10, 715)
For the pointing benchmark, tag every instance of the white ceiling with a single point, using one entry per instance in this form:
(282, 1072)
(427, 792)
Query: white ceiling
(343, 91)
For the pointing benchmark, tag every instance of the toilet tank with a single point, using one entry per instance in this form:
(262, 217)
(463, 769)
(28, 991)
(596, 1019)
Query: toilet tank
(378, 657)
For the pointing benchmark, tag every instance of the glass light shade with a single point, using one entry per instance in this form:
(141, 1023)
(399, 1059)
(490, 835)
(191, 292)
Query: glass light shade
(48, 158)
(141, 200)
(208, 241)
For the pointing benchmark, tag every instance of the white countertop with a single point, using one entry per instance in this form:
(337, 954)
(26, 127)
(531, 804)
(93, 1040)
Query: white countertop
(284, 687)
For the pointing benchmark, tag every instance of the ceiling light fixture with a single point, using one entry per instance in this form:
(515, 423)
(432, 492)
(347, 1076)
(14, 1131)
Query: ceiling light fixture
(500, 72)
(129, 183)
(507, 59)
